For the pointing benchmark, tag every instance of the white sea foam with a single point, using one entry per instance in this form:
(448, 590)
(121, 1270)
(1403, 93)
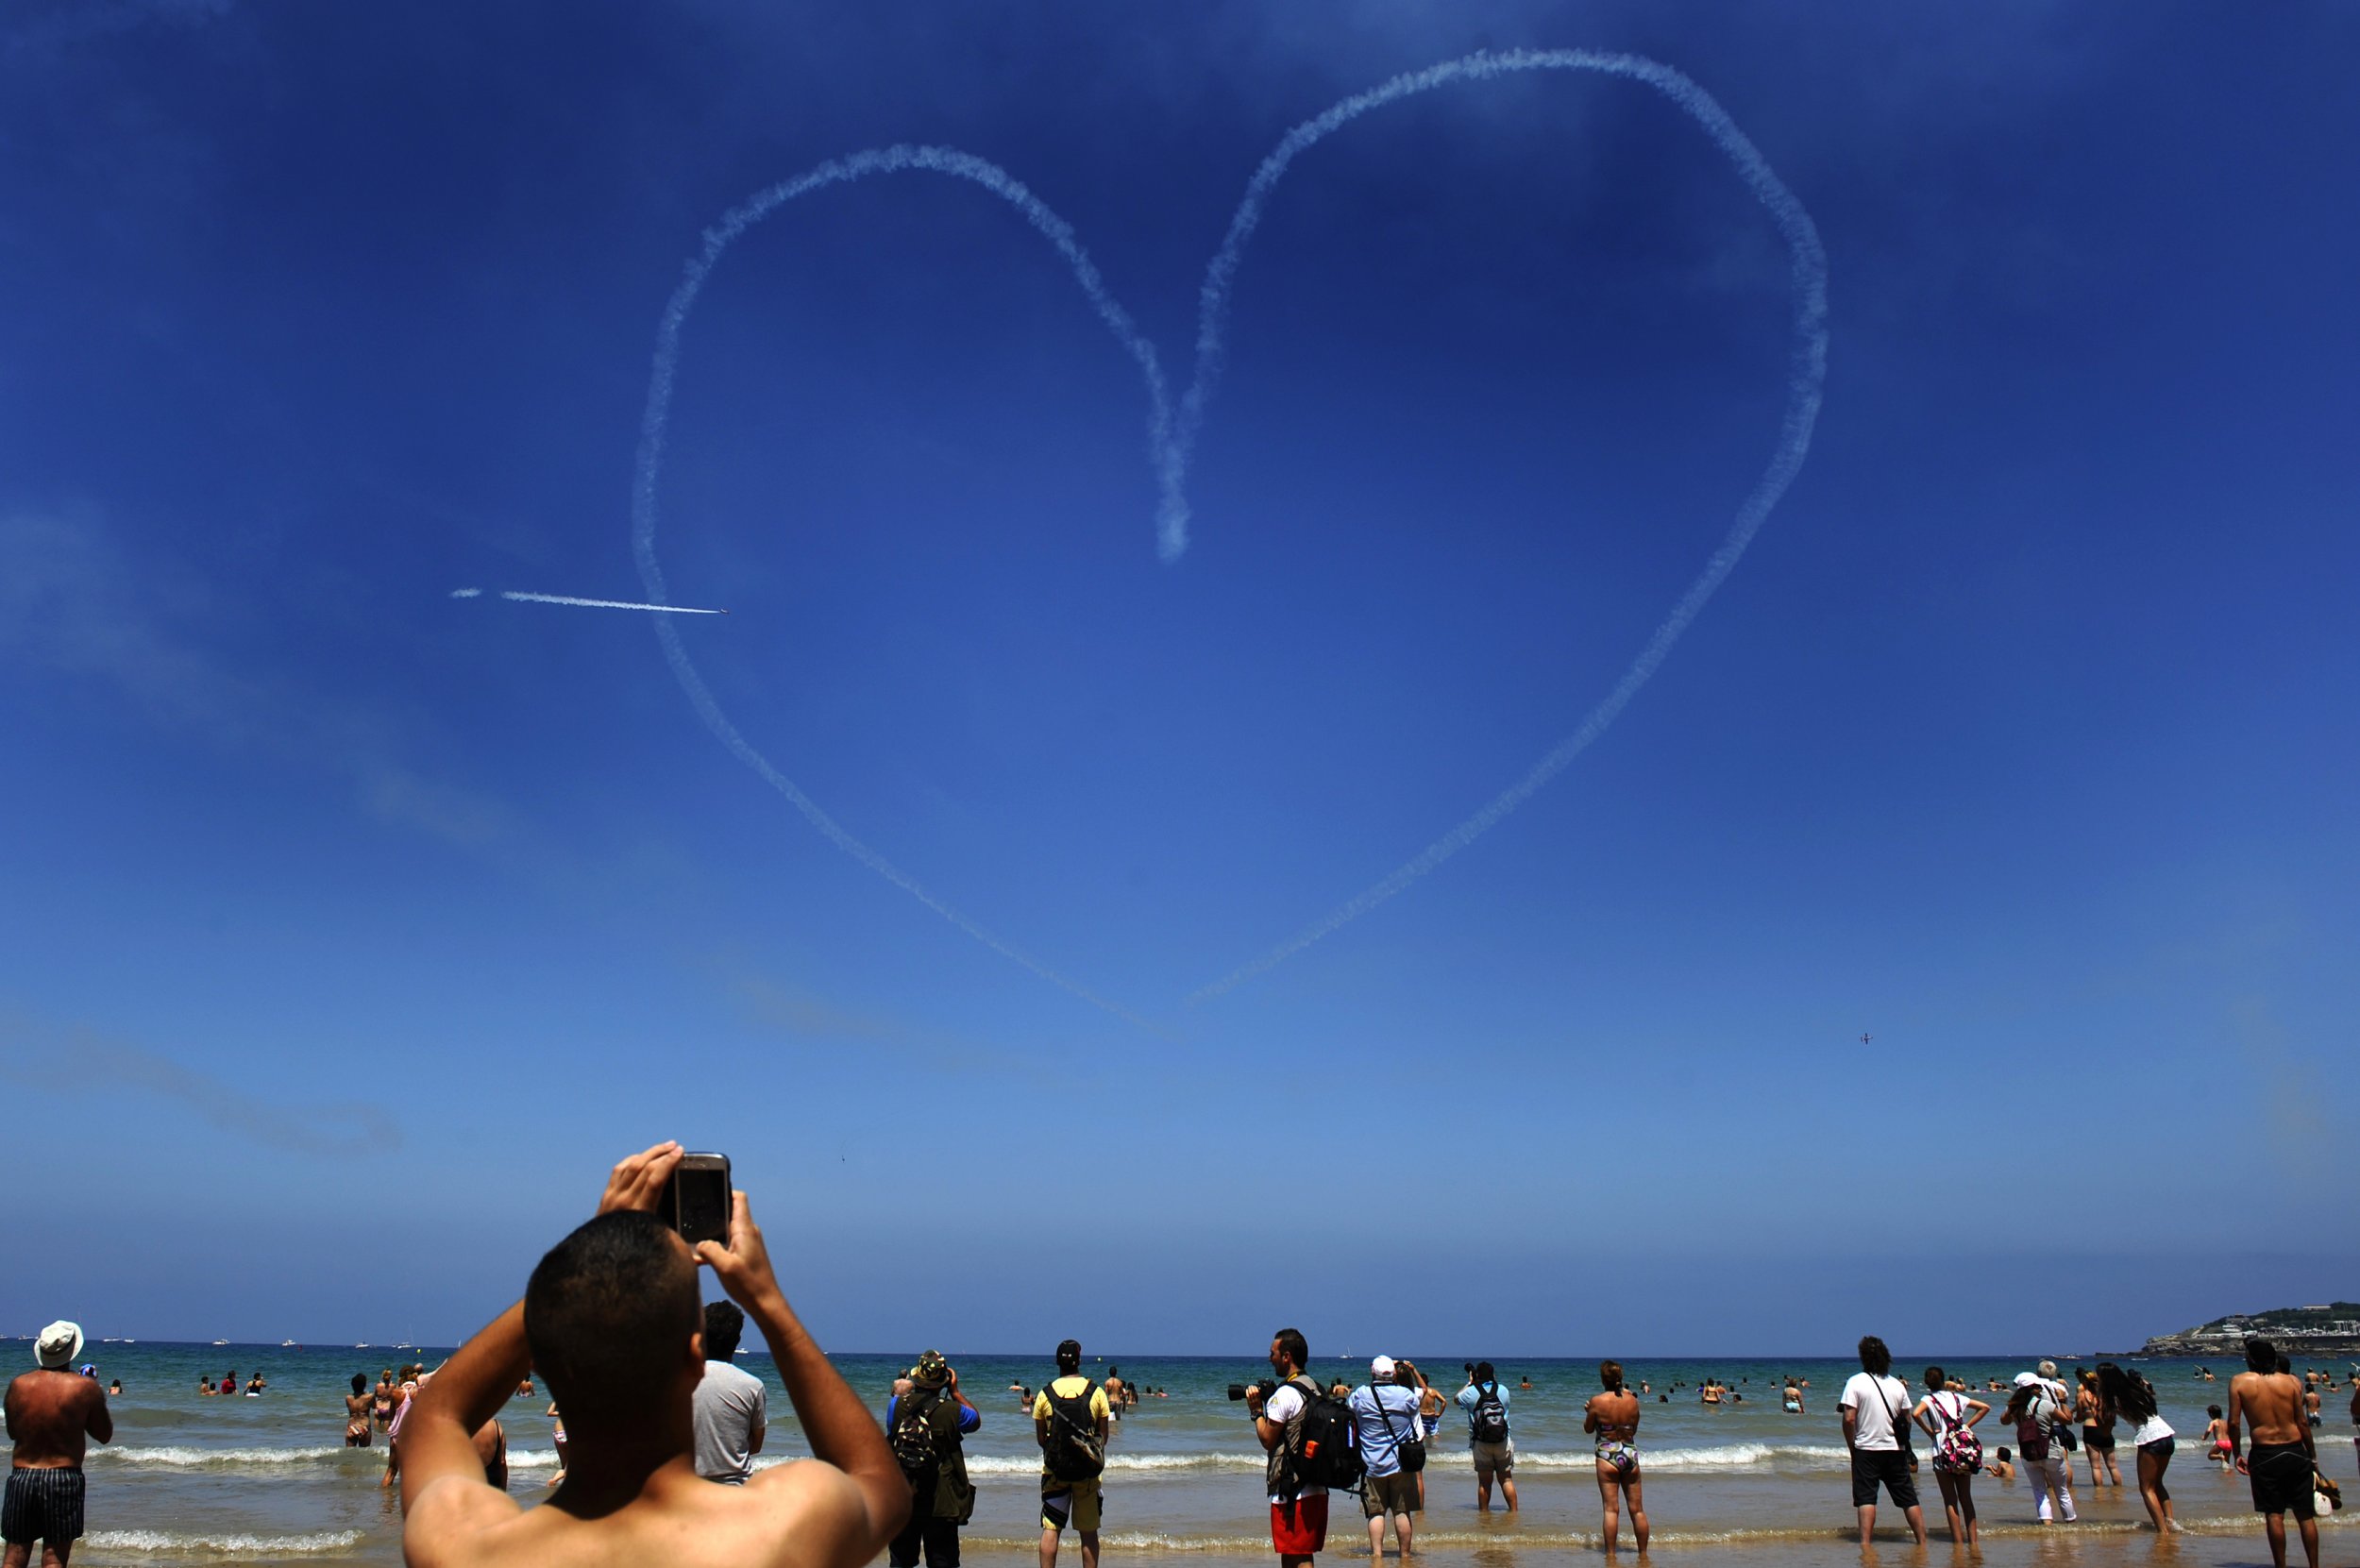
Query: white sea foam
(532, 1459)
(1171, 437)
(178, 1457)
(1736, 1456)
(232, 1544)
(1136, 1465)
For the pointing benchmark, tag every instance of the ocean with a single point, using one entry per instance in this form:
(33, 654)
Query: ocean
(264, 1480)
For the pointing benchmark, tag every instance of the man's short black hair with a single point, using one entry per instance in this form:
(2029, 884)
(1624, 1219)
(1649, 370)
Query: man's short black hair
(724, 1327)
(1483, 1372)
(1290, 1342)
(609, 1312)
(1068, 1356)
(2260, 1355)
(1875, 1359)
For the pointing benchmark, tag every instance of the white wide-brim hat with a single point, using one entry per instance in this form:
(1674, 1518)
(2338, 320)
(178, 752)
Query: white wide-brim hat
(60, 1345)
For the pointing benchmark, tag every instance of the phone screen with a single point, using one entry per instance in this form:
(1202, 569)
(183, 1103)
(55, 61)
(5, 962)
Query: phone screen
(702, 1185)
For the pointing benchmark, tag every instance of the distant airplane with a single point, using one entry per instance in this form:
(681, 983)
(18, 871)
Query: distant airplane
(1865, 1039)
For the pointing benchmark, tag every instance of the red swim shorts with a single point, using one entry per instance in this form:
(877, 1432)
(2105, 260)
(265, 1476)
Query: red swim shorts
(1299, 1529)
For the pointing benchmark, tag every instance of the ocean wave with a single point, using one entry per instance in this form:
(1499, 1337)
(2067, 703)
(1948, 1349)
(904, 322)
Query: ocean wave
(532, 1459)
(1133, 1464)
(219, 1458)
(1736, 1456)
(237, 1545)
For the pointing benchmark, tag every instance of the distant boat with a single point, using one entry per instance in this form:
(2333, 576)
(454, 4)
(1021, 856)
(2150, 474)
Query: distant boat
(221, 1342)
(289, 1344)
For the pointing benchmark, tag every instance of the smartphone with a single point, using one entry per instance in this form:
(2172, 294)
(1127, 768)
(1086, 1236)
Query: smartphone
(695, 1200)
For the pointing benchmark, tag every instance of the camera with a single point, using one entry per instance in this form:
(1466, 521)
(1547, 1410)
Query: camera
(1264, 1387)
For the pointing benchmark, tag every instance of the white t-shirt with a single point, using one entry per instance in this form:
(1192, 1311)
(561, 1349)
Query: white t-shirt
(1281, 1407)
(1876, 1399)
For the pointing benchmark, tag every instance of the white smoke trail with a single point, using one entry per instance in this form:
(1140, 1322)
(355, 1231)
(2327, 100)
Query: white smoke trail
(594, 603)
(893, 159)
(1807, 374)
(1171, 442)
(467, 593)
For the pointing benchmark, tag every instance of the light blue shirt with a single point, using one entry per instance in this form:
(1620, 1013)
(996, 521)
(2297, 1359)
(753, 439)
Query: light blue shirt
(1470, 1396)
(1381, 1418)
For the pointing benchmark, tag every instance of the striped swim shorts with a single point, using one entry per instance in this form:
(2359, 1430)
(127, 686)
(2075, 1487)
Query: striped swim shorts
(42, 1505)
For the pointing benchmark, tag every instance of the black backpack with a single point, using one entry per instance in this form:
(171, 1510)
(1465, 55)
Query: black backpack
(1489, 1417)
(1324, 1448)
(913, 1435)
(1072, 1449)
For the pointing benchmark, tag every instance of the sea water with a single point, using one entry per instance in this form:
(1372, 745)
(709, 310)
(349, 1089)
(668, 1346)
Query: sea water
(268, 1479)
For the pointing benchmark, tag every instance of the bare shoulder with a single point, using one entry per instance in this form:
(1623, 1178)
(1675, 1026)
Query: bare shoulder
(457, 1522)
(808, 1489)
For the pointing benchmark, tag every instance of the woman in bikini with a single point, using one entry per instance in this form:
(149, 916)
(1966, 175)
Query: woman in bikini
(382, 1402)
(2098, 1430)
(1612, 1419)
(1943, 1411)
(357, 1412)
(2134, 1401)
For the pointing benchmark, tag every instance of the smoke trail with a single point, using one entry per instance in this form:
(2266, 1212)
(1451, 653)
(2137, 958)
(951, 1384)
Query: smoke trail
(467, 593)
(1171, 441)
(597, 603)
(893, 159)
(1806, 373)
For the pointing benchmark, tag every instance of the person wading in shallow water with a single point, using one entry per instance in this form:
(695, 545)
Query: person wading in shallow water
(1612, 1419)
(2283, 1458)
(51, 1415)
(357, 1428)
(1875, 1406)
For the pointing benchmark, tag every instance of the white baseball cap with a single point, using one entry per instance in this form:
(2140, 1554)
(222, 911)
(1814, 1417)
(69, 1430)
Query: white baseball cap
(1381, 1367)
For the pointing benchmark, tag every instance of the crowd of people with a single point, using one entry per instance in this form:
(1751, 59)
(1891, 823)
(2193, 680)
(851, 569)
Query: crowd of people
(2279, 1408)
(659, 1460)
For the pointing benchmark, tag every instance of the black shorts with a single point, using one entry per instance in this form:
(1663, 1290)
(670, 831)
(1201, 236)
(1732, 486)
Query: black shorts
(2281, 1474)
(42, 1505)
(1889, 1465)
(2097, 1440)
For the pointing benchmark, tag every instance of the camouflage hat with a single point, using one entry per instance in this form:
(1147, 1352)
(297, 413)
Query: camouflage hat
(931, 1371)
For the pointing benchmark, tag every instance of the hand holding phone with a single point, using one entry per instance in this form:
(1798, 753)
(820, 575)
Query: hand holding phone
(696, 1200)
(742, 1265)
(640, 1181)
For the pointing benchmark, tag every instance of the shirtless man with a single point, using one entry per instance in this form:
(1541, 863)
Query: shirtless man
(51, 1414)
(611, 1322)
(2282, 1460)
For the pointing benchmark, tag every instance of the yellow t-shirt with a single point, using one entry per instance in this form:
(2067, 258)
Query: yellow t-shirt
(1070, 1387)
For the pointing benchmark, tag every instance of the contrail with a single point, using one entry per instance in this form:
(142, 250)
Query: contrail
(1806, 374)
(594, 603)
(1171, 441)
(893, 159)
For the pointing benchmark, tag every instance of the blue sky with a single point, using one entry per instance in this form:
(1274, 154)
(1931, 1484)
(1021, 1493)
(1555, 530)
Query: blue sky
(348, 930)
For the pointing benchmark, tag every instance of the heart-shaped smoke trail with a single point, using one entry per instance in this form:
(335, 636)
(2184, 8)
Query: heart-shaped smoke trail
(1171, 441)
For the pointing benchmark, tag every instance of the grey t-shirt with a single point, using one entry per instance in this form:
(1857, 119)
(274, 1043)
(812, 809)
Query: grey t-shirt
(731, 1408)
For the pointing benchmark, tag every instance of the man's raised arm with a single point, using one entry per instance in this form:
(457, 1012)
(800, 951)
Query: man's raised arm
(438, 1434)
(437, 1440)
(841, 1430)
